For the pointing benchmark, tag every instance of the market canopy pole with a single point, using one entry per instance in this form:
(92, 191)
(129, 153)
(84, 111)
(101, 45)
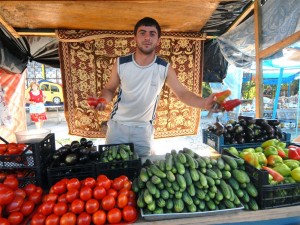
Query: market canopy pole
(258, 78)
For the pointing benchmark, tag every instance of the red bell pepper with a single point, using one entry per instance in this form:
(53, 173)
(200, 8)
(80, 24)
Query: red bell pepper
(294, 152)
(276, 176)
(281, 153)
(231, 104)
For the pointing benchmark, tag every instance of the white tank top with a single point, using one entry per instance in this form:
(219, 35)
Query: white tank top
(139, 90)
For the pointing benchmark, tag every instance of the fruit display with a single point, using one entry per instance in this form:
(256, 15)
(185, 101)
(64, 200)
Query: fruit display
(185, 182)
(247, 130)
(89, 201)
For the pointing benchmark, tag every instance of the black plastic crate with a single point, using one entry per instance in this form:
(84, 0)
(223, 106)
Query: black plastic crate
(130, 168)
(30, 177)
(218, 143)
(80, 171)
(271, 196)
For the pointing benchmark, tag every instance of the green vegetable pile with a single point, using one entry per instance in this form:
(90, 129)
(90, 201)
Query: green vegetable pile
(186, 182)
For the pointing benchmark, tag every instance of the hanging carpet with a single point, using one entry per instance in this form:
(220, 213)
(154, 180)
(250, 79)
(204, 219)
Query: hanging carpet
(86, 59)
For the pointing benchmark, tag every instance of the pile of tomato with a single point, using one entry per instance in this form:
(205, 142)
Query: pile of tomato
(90, 201)
(12, 148)
(17, 204)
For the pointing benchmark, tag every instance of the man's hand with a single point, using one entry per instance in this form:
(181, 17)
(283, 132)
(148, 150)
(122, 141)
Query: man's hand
(97, 103)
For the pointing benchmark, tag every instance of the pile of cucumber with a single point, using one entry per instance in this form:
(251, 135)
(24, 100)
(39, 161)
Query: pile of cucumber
(185, 182)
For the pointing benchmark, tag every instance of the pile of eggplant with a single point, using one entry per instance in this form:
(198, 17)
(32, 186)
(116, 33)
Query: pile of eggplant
(247, 130)
(78, 152)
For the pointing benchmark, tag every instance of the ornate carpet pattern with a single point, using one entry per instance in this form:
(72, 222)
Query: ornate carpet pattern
(86, 59)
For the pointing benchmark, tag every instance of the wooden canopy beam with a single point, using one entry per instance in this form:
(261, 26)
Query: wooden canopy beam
(9, 28)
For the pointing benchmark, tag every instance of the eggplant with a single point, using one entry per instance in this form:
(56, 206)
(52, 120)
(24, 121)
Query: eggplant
(269, 129)
(83, 159)
(248, 119)
(56, 155)
(237, 129)
(261, 122)
(273, 122)
(83, 150)
(71, 159)
(232, 122)
(249, 132)
(83, 141)
(229, 127)
(89, 144)
(74, 142)
(242, 122)
(64, 150)
(240, 139)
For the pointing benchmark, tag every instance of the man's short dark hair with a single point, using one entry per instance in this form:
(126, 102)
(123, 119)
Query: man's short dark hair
(148, 22)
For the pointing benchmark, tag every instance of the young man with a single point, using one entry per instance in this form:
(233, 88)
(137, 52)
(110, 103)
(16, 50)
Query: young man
(141, 76)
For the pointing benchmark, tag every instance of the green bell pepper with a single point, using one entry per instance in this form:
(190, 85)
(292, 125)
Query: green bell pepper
(295, 173)
(274, 160)
(283, 169)
(270, 150)
(291, 163)
(271, 142)
(262, 159)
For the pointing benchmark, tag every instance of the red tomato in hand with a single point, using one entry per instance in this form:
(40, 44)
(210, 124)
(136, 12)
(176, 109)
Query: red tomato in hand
(38, 219)
(6, 195)
(129, 213)
(92, 206)
(99, 217)
(92, 101)
(68, 218)
(77, 206)
(99, 192)
(108, 202)
(122, 200)
(73, 183)
(60, 208)
(85, 193)
(15, 218)
(52, 219)
(27, 208)
(114, 215)
(84, 219)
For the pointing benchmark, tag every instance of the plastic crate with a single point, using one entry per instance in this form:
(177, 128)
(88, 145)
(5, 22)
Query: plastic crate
(34, 157)
(29, 177)
(80, 171)
(271, 196)
(218, 143)
(130, 168)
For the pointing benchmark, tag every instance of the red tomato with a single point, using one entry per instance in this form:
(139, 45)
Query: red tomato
(13, 150)
(50, 197)
(2, 175)
(35, 197)
(52, 219)
(1, 211)
(6, 195)
(92, 206)
(123, 177)
(15, 204)
(132, 202)
(38, 219)
(30, 189)
(99, 192)
(131, 194)
(62, 198)
(99, 217)
(15, 218)
(4, 221)
(92, 101)
(84, 219)
(118, 183)
(20, 192)
(39, 190)
(72, 195)
(86, 193)
(108, 202)
(60, 187)
(102, 180)
(112, 192)
(114, 215)
(123, 191)
(27, 207)
(11, 182)
(127, 184)
(73, 183)
(3, 148)
(21, 146)
(122, 200)
(129, 213)
(68, 218)
(47, 208)
(89, 182)
(77, 206)
(60, 208)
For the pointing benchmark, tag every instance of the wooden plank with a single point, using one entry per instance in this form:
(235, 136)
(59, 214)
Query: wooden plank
(8, 27)
(259, 75)
(279, 45)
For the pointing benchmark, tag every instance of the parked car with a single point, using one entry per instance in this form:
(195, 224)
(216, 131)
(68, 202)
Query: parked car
(53, 91)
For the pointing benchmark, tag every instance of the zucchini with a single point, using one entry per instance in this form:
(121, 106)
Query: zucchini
(155, 179)
(147, 197)
(156, 171)
(191, 190)
(178, 205)
(241, 176)
(181, 157)
(170, 176)
(251, 190)
(220, 163)
(190, 161)
(169, 204)
(224, 188)
(144, 175)
(230, 160)
(194, 174)
(187, 177)
(187, 198)
(181, 181)
(151, 187)
(169, 161)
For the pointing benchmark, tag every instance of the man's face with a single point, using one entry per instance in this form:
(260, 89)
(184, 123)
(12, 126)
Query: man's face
(147, 39)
